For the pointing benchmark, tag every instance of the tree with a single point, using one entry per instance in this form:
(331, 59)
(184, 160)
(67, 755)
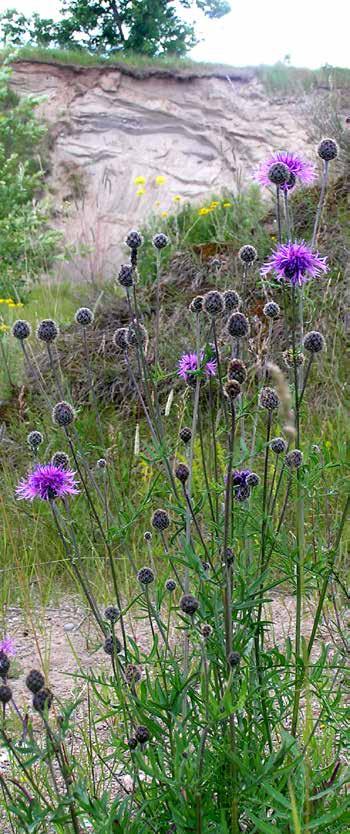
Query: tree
(149, 27)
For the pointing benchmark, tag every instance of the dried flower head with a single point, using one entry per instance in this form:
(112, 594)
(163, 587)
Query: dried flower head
(231, 300)
(42, 700)
(237, 370)
(60, 459)
(112, 613)
(170, 585)
(84, 316)
(234, 659)
(196, 305)
(294, 459)
(34, 439)
(132, 674)
(278, 445)
(120, 338)
(145, 576)
(189, 604)
(147, 536)
(253, 479)
(63, 414)
(35, 681)
(206, 630)
(247, 254)
(134, 239)
(126, 276)
(182, 472)
(314, 342)
(5, 694)
(328, 149)
(278, 173)
(290, 357)
(47, 331)
(112, 645)
(137, 335)
(47, 482)
(185, 434)
(160, 240)
(142, 734)
(299, 169)
(188, 365)
(232, 389)
(240, 485)
(213, 303)
(21, 329)
(269, 399)
(271, 310)
(238, 325)
(132, 743)
(160, 520)
(295, 264)
(101, 463)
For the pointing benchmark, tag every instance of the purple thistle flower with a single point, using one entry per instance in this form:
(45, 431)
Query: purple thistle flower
(7, 646)
(240, 484)
(189, 363)
(299, 168)
(47, 482)
(295, 263)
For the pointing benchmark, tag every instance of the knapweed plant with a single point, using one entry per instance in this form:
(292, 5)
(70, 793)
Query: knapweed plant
(220, 721)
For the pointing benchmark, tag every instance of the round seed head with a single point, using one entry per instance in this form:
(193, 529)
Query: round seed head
(170, 585)
(206, 630)
(279, 173)
(132, 674)
(34, 439)
(160, 520)
(247, 254)
(42, 700)
(182, 472)
(84, 316)
(126, 276)
(145, 576)
(185, 434)
(196, 305)
(232, 389)
(272, 310)
(238, 325)
(328, 149)
(237, 370)
(132, 743)
(294, 459)
(21, 329)
(253, 479)
(137, 334)
(61, 460)
(112, 613)
(269, 399)
(147, 536)
(231, 300)
(112, 645)
(234, 659)
(120, 338)
(314, 342)
(213, 303)
(142, 734)
(4, 664)
(47, 331)
(63, 414)
(278, 445)
(5, 694)
(133, 239)
(289, 355)
(189, 604)
(101, 463)
(243, 493)
(35, 681)
(160, 241)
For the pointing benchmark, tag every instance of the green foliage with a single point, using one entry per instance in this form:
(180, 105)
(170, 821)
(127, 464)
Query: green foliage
(149, 27)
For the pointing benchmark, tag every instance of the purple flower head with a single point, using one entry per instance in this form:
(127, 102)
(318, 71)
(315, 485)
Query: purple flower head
(299, 168)
(241, 488)
(189, 363)
(7, 646)
(295, 263)
(47, 482)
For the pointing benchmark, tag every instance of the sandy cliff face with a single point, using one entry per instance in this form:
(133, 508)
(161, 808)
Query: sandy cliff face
(201, 134)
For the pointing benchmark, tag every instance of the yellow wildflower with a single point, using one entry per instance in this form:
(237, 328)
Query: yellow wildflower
(203, 211)
(140, 181)
(214, 203)
(140, 192)
(4, 327)
(177, 198)
(160, 180)
(164, 213)
(14, 304)
(227, 205)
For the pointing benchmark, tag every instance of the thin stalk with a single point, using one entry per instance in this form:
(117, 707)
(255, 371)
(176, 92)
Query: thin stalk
(156, 346)
(287, 214)
(6, 365)
(306, 377)
(213, 327)
(278, 214)
(216, 469)
(54, 372)
(92, 387)
(300, 539)
(204, 466)
(320, 204)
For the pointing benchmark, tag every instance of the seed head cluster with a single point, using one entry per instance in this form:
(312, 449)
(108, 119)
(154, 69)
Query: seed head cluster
(238, 325)
(196, 305)
(21, 330)
(145, 576)
(269, 399)
(160, 520)
(84, 316)
(314, 342)
(47, 331)
(213, 304)
(34, 439)
(247, 254)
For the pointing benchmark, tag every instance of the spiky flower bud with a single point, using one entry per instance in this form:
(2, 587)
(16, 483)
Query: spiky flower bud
(21, 329)
(314, 342)
(112, 645)
(126, 276)
(101, 463)
(34, 439)
(237, 370)
(132, 674)
(327, 149)
(206, 630)
(147, 536)
(289, 356)
(35, 681)
(269, 399)
(145, 576)
(160, 520)
(182, 472)
(63, 414)
(196, 305)
(234, 659)
(185, 434)
(61, 460)
(137, 335)
(170, 585)
(247, 254)
(278, 445)
(5, 694)
(279, 173)
(232, 389)
(120, 338)
(132, 743)
(238, 325)
(160, 241)
(47, 331)
(189, 604)
(142, 734)
(84, 316)
(42, 700)
(294, 459)
(231, 300)
(133, 239)
(253, 479)
(4, 664)
(271, 310)
(213, 303)
(112, 613)
(242, 493)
